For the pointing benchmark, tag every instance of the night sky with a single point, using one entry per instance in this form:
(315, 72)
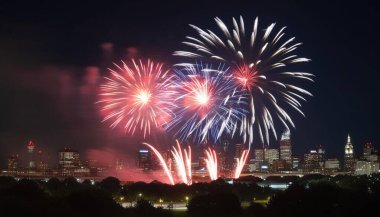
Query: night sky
(53, 55)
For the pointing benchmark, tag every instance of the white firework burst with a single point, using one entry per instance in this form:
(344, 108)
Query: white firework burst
(260, 63)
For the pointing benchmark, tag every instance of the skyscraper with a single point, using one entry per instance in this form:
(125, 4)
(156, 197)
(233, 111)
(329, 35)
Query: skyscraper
(349, 160)
(13, 164)
(312, 162)
(223, 160)
(268, 155)
(31, 155)
(286, 148)
(259, 154)
(68, 161)
(369, 153)
(144, 159)
(368, 149)
(321, 155)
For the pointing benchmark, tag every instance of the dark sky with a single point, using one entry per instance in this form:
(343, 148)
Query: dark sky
(52, 54)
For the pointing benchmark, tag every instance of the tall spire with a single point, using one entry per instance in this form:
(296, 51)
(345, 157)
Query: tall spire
(349, 149)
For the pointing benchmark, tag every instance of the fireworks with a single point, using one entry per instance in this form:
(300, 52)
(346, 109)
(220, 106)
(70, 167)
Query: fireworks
(138, 96)
(258, 63)
(163, 163)
(211, 163)
(250, 92)
(240, 162)
(183, 162)
(209, 104)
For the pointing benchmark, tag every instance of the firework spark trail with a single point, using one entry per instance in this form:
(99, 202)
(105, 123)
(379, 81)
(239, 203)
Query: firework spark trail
(240, 162)
(208, 103)
(259, 61)
(183, 162)
(163, 163)
(138, 96)
(188, 163)
(212, 163)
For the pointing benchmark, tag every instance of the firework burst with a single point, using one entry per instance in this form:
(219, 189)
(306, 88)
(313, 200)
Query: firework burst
(258, 61)
(137, 96)
(208, 103)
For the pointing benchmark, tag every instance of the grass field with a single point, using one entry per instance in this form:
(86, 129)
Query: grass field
(180, 213)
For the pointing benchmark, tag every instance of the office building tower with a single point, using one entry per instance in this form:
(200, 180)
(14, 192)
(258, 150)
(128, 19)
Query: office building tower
(311, 162)
(267, 155)
(296, 161)
(68, 162)
(286, 148)
(369, 153)
(31, 156)
(331, 166)
(13, 164)
(349, 160)
(144, 159)
(259, 154)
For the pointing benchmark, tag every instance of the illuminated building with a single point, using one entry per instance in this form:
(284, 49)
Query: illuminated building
(271, 154)
(312, 162)
(369, 152)
(321, 152)
(268, 155)
(349, 160)
(331, 166)
(368, 149)
(286, 149)
(259, 155)
(68, 162)
(31, 156)
(254, 165)
(93, 166)
(42, 166)
(30, 146)
(363, 167)
(202, 157)
(296, 163)
(13, 164)
(279, 165)
(264, 167)
(223, 160)
(144, 159)
(119, 164)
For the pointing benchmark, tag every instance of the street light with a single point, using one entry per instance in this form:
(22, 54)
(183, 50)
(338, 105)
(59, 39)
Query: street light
(139, 196)
(187, 200)
(161, 201)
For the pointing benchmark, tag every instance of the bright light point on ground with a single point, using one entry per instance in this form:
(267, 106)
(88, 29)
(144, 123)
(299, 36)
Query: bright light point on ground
(143, 96)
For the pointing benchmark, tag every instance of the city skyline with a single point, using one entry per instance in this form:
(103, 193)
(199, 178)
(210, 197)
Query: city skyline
(261, 162)
(340, 154)
(50, 80)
